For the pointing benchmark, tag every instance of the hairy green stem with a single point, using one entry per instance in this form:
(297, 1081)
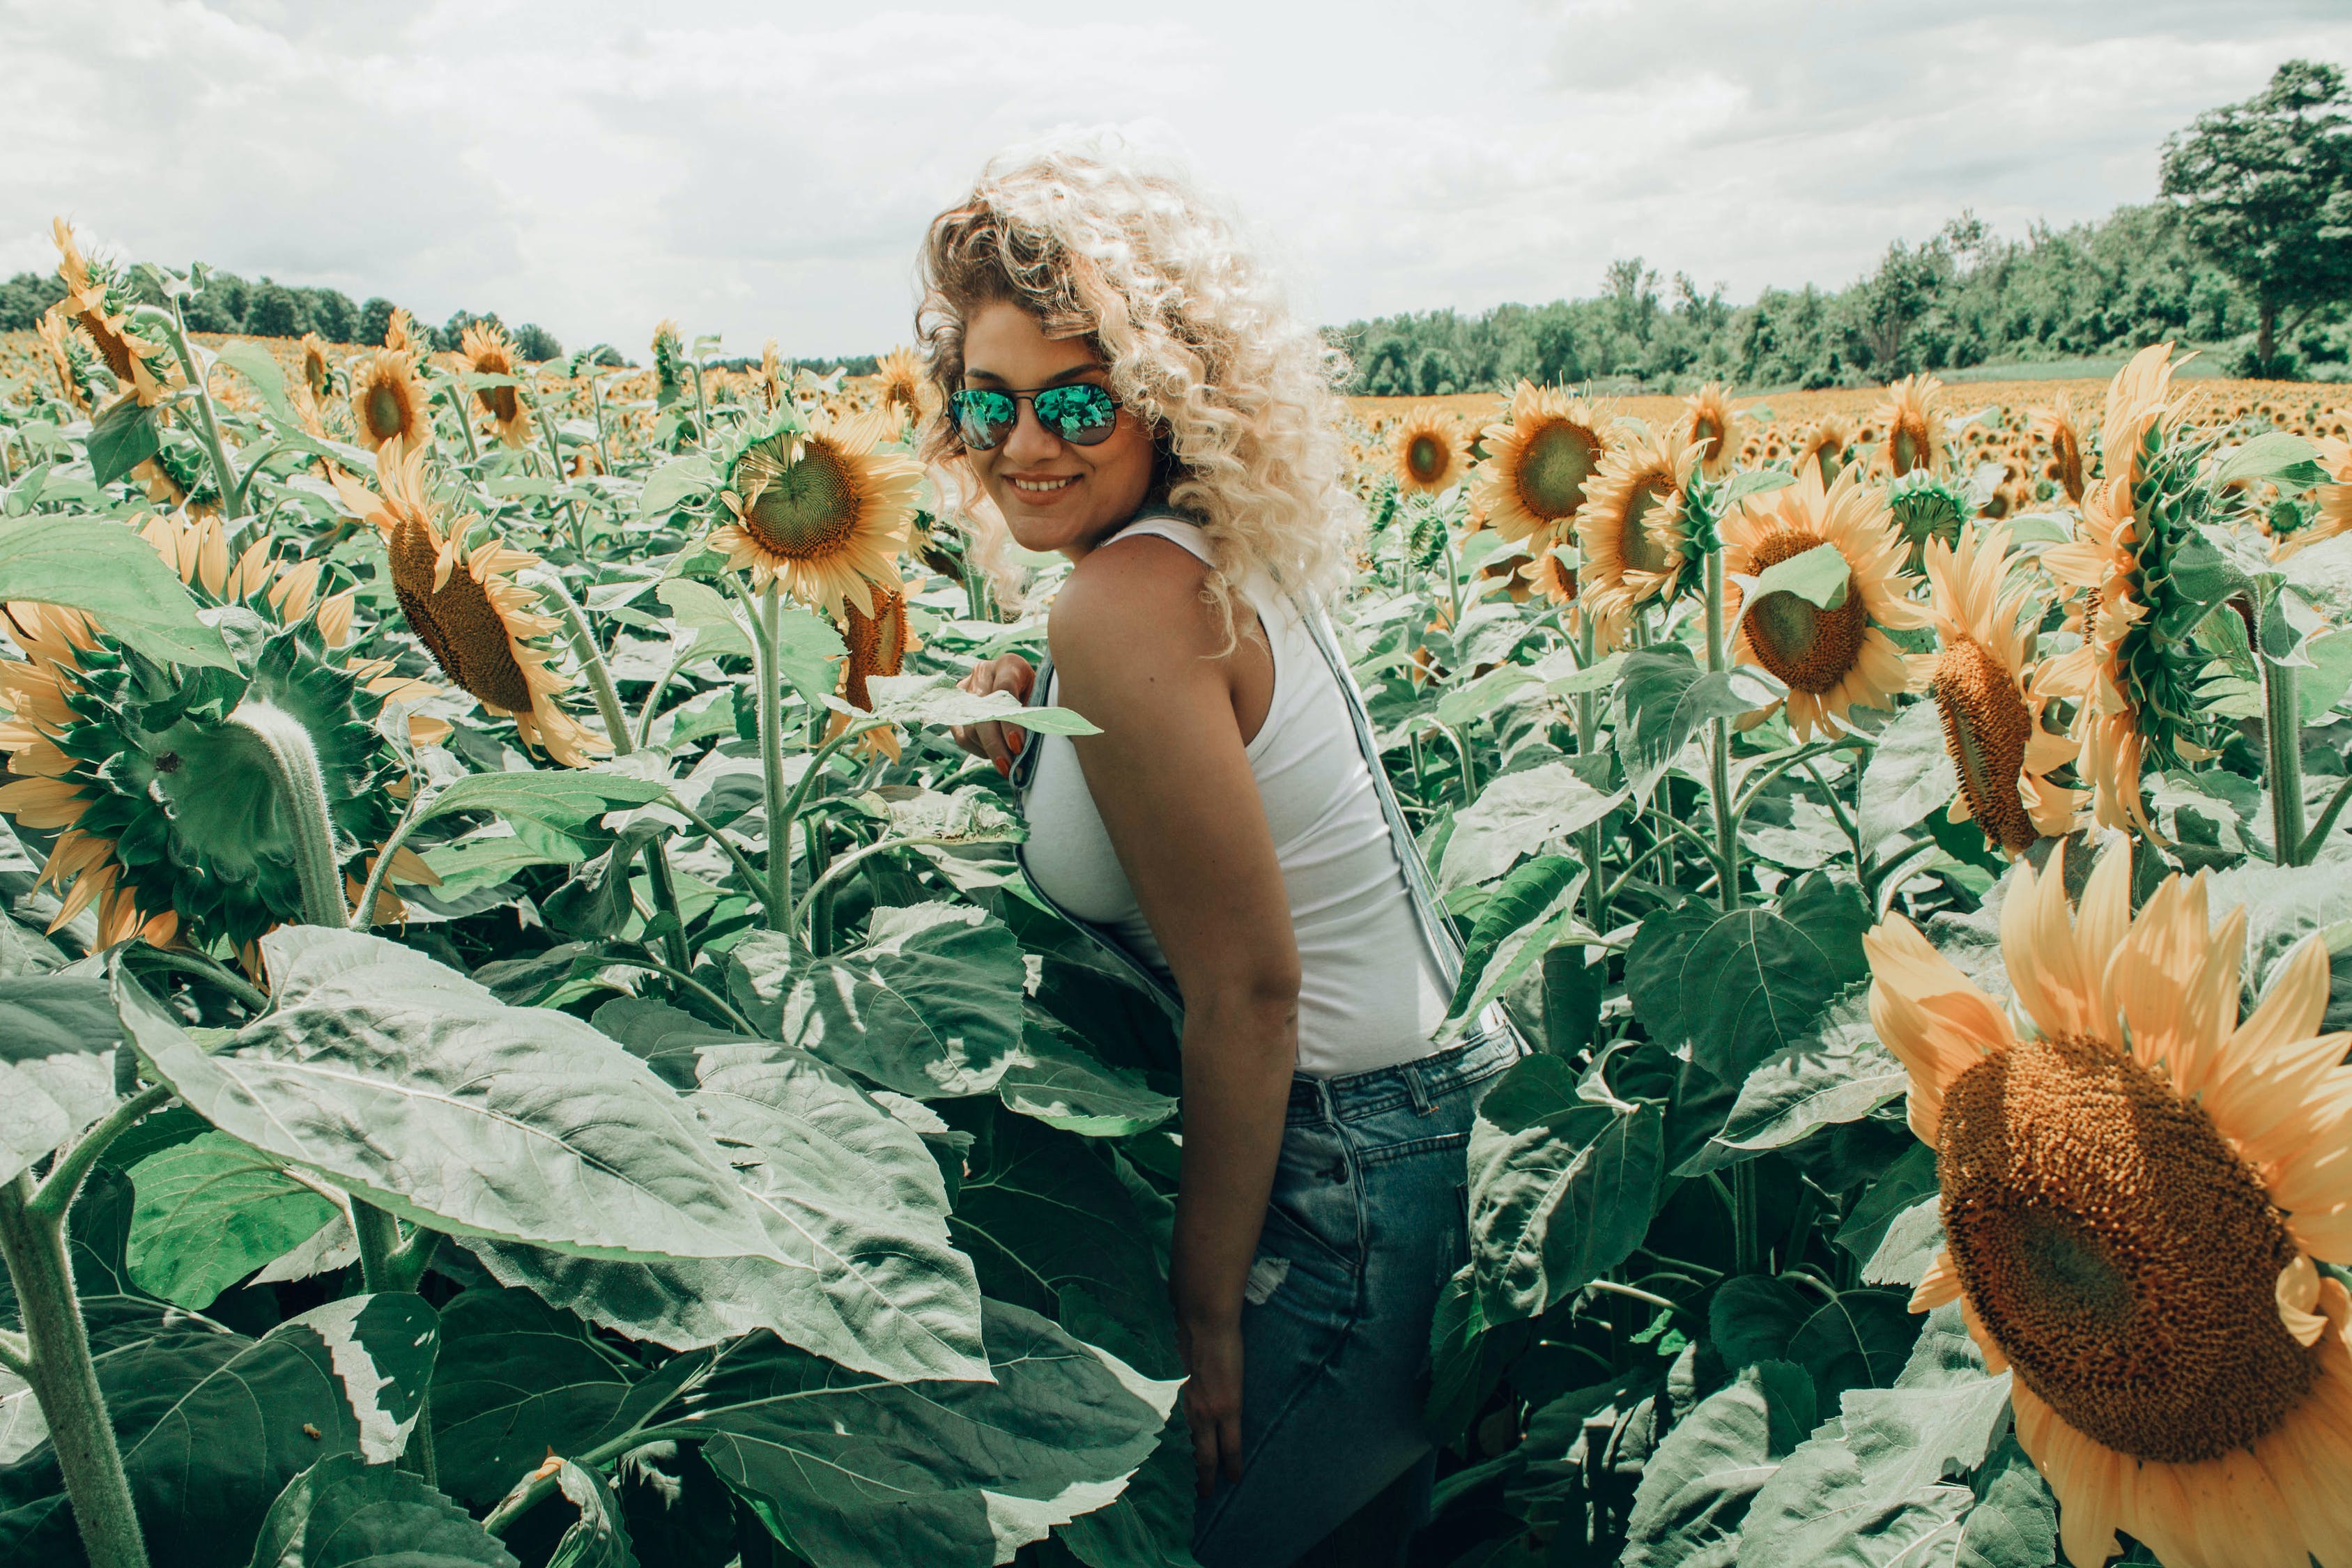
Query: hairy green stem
(539, 1488)
(207, 425)
(293, 764)
(364, 916)
(679, 977)
(1726, 828)
(378, 1234)
(841, 867)
(2283, 748)
(64, 1381)
(187, 960)
(754, 883)
(2326, 825)
(770, 699)
(592, 660)
(55, 1194)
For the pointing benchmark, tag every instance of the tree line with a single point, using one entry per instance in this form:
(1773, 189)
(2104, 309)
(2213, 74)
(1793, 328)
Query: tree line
(2249, 243)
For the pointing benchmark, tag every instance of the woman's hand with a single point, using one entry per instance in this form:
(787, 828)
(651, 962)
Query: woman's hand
(1212, 1398)
(998, 742)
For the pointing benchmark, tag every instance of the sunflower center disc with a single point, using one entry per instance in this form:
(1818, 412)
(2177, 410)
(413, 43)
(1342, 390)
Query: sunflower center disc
(1554, 463)
(1810, 648)
(459, 625)
(385, 413)
(1425, 457)
(809, 509)
(1986, 728)
(2118, 1251)
(1642, 553)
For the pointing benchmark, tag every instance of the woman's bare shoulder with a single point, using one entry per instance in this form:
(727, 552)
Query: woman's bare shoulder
(1134, 600)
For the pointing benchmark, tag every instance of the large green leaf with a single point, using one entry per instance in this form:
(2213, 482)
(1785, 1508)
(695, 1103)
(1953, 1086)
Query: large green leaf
(1664, 699)
(1527, 901)
(210, 1211)
(1148, 1525)
(2284, 905)
(1753, 1317)
(523, 1125)
(1819, 576)
(1837, 1073)
(1859, 1341)
(2014, 1523)
(1057, 1081)
(57, 1034)
(938, 700)
(1698, 1486)
(213, 1425)
(929, 1006)
(254, 362)
(956, 1475)
(597, 1538)
(1735, 988)
(1909, 775)
(343, 1512)
(102, 567)
(851, 1198)
(1522, 813)
(1563, 1177)
(565, 801)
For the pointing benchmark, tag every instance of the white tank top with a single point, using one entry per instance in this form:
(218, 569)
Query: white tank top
(1371, 995)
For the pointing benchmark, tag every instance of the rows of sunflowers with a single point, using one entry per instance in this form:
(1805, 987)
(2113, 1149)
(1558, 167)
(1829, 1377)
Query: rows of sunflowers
(522, 1042)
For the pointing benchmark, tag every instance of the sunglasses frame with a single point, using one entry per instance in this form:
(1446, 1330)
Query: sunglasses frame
(1093, 435)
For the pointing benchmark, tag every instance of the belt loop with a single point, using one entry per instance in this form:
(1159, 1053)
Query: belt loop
(1324, 1107)
(1417, 1087)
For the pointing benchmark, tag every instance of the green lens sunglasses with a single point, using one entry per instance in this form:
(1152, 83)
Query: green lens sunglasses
(1079, 413)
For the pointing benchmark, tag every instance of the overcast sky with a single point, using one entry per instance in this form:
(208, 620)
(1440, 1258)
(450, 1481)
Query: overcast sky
(765, 170)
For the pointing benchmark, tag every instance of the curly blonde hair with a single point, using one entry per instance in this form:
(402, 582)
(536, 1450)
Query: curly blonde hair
(1195, 332)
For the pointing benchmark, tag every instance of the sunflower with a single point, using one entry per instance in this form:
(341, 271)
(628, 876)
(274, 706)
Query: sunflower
(2332, 502)
(1629, 532)
(899, 379)
(1708, 420)
(820, 509)
(400, 334)
(1915, 431)
(2057, 425)
(101, 305)
(771, 376)
(1830, 660)
(71, 355)
(2133, 1198)
(490, 352)
(1823, 448)
(877, 644)
(1541, 464)
(171, 825)
(1984, 689)
(466, 608)
(388, 403)
(317, 375)
(2135, 673)
(669, 363)
(1927, 507)
(1552, 574)
(1429, 451)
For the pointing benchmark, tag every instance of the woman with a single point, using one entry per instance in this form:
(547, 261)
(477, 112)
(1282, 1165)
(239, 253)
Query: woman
(1121, 379)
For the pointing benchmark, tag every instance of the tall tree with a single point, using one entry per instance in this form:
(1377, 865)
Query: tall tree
(375, 320)
(2265, 189)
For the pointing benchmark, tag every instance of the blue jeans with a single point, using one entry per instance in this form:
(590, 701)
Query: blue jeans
(1367, 1223)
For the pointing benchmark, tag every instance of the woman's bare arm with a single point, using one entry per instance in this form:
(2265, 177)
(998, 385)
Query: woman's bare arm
(1134, 646)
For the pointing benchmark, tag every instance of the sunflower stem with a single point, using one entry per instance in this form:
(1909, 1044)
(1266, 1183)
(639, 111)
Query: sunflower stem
(378, 1235)
(555, 474)
(592, 660)
(2326, 823)
(664, 886)
(461, 403)
(1743, 1218)
(1588, 733)
(293, 764)
(2283, 746)
(207, 425)
(64, 1381)
(188, 960)
(781, 809)
(56, 1192)
(1726, 826)
(701, 407)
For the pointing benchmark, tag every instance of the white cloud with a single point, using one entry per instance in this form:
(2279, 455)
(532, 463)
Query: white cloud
(761, 170)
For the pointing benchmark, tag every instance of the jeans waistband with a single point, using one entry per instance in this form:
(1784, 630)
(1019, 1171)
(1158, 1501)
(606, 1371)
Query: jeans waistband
(1419, 1083)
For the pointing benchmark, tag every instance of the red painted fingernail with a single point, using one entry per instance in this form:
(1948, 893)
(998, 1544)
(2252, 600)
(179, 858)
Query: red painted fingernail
(1003, 767)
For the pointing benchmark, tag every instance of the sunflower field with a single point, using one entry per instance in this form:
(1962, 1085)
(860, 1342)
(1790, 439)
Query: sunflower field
(521, 1041)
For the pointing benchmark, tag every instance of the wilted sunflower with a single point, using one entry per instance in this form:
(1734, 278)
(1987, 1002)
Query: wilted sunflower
(490, 352)
(388, 403)
(1830, 660)
(172, 824)
(771, 376)
(2135, 671)
(1708, 420)
(1540, 463)
(669, 363)
(1915, 431)
(898, 380)
(2056, 424)
(1429, 451)
(1823, 448)
(1983, 684)
(1629, 534)
(821, 510)
(101, 306)
(877, 644)
(318, 374)
(466, 608)
(2133, 1199)
(400, 334)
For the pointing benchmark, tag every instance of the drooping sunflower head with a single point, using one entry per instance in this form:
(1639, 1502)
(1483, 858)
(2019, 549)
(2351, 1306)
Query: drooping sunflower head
(820, 509)
(771, 375)
(318, 371)
(877, 644)
(900, 381)
(1429, 450)
(669, 363)
(98, 298)
(466, 607)
(490, 352)
(2134, 1194)
(72, 356)
(1630, 534)
(1708, 421)
(2059, 428)
(1823, 447)
(1987, 698)
(1927, 507)
(1541, 464)
(1914, 430)
(400, 334)
(1833, 657)
(388, 403)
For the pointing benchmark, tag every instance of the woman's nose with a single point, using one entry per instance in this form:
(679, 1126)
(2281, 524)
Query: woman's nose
(1030, 442)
